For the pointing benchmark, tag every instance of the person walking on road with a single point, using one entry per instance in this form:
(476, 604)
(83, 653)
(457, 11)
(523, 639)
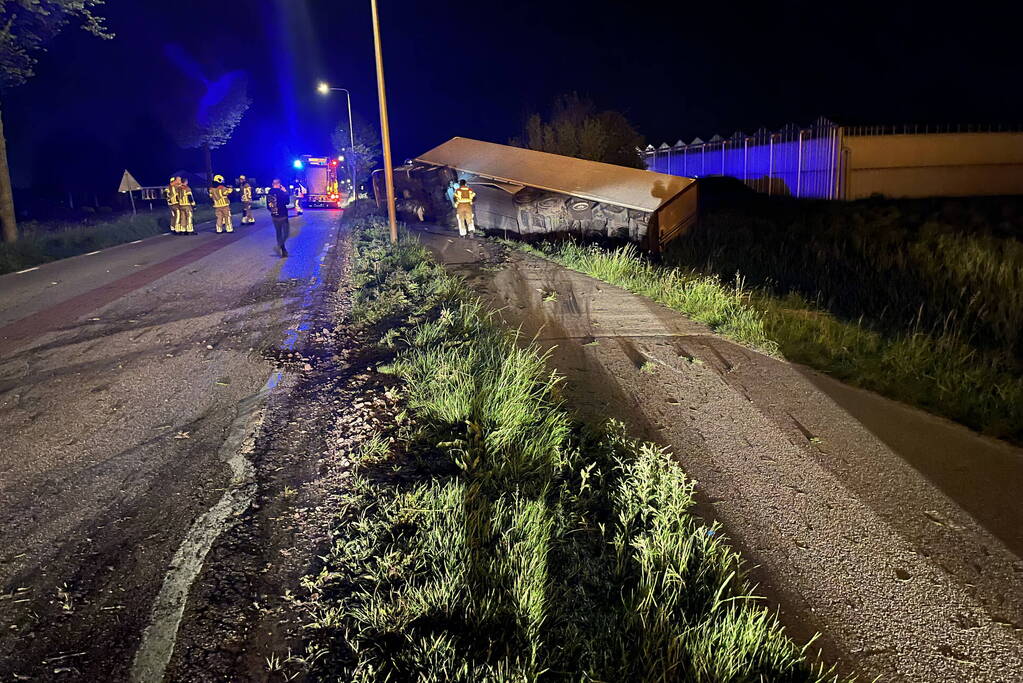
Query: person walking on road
(170, 193)
(300, 193)
(277, 205)
(220, 194)
(186, 202)
(463, 199)
(247, 216)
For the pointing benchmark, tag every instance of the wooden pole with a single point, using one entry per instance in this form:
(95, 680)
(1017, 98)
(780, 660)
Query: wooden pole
(385, 132)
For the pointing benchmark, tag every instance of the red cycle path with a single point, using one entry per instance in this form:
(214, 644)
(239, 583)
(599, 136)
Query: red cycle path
(67, 312)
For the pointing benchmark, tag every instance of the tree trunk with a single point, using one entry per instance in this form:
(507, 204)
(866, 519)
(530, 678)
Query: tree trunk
(209, 163)
(7, 217)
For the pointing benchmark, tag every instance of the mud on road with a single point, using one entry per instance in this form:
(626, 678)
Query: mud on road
(96, 508)
(244, 620)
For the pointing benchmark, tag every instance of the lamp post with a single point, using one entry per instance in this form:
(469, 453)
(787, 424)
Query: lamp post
(385, 133)
(324, 89)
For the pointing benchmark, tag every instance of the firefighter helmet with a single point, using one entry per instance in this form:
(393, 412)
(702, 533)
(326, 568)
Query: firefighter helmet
(218, 178)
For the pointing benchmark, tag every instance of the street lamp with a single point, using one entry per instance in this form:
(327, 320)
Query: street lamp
(324, 89)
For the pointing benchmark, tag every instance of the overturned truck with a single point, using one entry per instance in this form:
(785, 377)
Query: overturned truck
(533, 194)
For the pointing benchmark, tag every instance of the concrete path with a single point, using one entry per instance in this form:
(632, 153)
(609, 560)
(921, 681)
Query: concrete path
(893, 533)
(129, 381)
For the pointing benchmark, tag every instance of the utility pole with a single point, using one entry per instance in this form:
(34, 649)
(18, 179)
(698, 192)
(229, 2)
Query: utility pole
(385, 131)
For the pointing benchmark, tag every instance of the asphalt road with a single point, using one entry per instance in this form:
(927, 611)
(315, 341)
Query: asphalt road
(126, 378)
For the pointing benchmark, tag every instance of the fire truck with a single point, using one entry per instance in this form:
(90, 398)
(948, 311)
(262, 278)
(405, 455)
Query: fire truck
(319, 176)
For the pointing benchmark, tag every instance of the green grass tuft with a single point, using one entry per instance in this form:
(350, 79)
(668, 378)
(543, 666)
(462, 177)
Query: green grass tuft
(512, 544)
(724, 308)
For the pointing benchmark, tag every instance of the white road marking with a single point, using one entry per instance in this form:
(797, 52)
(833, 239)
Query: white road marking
(93, 252)
(135, 242)
(27, 270)
(158, 639)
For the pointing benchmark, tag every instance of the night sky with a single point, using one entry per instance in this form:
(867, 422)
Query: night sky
(676, 69)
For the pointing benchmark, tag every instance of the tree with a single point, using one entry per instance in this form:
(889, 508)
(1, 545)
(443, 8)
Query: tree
(575, 128)
(25, 29)
(214, 117)
(367, 148)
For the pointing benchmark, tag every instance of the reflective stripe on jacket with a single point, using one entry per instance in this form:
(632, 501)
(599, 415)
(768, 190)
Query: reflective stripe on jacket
(219, 195)
(170, 193)
(464, 195)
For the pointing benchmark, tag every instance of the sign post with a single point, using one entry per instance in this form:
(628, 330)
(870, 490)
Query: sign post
(129, 185)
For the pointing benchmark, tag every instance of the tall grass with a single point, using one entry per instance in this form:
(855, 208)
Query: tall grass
(921, 300)
(44, 242)
(935, 265)
(705, 298)
(498, 540)
(942, 372)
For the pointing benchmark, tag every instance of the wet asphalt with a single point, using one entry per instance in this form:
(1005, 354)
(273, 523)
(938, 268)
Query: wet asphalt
(121, 373)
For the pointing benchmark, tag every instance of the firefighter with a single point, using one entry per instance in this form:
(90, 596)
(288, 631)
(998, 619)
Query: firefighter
(299, 192)
(170, 193)
(462, 200)
(247, 216)
(220, 194)
(186, 202)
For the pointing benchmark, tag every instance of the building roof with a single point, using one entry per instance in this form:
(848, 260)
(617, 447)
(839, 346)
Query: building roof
(632, 188)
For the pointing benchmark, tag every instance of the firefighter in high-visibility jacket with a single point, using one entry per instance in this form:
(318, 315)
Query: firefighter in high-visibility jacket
(463, 199)
(170, 193)
(186, 202)
(247, 216)
(220, 194)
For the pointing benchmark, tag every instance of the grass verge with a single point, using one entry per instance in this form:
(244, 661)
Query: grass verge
(936, 264)
(44, 243)
(941, 373)
(495, 539)
(725, 309)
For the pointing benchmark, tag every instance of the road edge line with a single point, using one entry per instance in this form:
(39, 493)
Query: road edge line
(160, 635)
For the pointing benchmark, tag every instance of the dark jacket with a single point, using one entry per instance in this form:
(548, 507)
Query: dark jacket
(277, 202)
